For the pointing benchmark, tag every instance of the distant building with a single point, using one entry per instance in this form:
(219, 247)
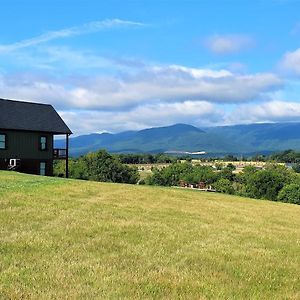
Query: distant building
(27, 137)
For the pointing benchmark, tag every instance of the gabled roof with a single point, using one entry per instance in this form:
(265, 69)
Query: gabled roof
(19, 115)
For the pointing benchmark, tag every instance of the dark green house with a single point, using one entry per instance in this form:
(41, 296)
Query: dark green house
(27, 133)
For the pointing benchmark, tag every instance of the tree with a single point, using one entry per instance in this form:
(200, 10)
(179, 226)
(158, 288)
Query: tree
(101, 166)
(77, 168)
(230, 157)
(287, 156)
(219, 166)
(170, 175)
(226, 173)
(200, 173)
(296, 167)
(290, 194)
(224, 185)
(259, 157)
(231, 167)
(266, 184)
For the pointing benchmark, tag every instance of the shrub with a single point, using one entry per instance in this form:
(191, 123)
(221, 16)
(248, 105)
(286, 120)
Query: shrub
(290, 194)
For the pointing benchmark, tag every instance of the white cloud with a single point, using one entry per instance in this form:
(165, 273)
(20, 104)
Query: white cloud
(139, 95)
(272, 111)
(291, 62)
(34, 88)
(164, 84)
(69, 32)
(228, 44)
(198, 113)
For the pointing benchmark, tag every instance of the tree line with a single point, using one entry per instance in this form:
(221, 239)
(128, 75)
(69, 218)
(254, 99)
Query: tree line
(146, 158)
(274, 182)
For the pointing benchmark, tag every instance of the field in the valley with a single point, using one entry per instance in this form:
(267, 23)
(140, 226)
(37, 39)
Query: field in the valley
(68, 239)
(145, 170)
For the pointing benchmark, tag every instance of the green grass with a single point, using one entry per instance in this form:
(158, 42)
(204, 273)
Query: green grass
(68, 239)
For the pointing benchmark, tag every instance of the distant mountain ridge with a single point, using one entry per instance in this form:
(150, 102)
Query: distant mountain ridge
(236, 139)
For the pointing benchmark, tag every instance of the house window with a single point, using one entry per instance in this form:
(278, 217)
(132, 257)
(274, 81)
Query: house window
(2, 141)
(43, 143)
(42, 168)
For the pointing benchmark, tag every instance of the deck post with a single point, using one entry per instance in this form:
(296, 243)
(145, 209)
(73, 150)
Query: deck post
(67, 155)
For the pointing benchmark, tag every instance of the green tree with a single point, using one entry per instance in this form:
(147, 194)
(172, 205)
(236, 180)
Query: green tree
(77, 168)
(200, 173)
(296, 167)
(226, 173)
(231, 167)
(224, 185)
(290, 194)
(230, 158)
(266, 184)
(170, 175)
(101, 166)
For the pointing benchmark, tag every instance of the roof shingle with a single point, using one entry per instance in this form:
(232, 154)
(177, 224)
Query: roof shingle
(19, 115)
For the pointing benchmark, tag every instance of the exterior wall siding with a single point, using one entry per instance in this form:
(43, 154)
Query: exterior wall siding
(30, 166)
(26, 147)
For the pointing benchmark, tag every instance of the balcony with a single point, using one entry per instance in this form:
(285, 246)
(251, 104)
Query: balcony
(59, 153)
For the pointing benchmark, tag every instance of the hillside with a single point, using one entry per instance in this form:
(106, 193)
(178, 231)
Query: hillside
(238, 139)
(75, 239)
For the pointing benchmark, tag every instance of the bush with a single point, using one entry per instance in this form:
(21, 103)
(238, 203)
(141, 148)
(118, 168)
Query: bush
(224, 185)
(290, 194)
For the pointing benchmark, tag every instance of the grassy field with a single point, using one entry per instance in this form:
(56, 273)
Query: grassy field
(68, 239)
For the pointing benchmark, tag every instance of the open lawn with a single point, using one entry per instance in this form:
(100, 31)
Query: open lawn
(68, 239)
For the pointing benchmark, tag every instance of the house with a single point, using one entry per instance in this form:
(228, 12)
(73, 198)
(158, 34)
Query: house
(27, 133)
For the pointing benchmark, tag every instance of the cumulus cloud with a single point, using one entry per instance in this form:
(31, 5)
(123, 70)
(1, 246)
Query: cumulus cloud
(90, 27)
(291, 62)
(228, 44)
(136, 95)
(29, 87)
(199, 113)
(164, 84)
(271, 111)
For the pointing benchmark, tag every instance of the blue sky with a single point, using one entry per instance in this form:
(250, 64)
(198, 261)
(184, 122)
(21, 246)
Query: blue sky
(128, 65)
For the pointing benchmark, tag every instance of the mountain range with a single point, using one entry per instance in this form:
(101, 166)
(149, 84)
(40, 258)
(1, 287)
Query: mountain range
(219, 140)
